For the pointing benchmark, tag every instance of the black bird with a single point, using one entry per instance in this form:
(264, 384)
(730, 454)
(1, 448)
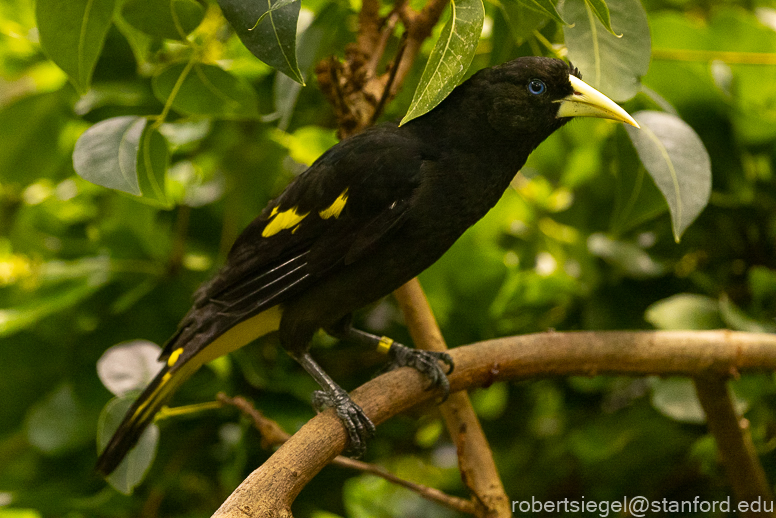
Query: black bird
(370, 214)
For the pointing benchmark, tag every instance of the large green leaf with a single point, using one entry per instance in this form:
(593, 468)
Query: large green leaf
(106, 154)
(270, 37)
(685, 311)
(678, 162)
(72, 33)
(613, 65)
(450, 58)
(546, 7)
(206, 90)
(522, 23)
(126, 154)
(172, 19)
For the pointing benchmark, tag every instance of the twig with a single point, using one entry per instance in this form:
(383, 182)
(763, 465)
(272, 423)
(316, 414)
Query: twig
(272, 434)
(270, 490)
(390, 81)
(731, 432)
(386, 32)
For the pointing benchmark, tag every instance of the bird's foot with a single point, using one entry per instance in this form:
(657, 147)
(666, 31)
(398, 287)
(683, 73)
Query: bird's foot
(426, 362)
(358, 425)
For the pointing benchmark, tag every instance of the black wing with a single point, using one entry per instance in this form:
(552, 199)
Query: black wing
(333, 213)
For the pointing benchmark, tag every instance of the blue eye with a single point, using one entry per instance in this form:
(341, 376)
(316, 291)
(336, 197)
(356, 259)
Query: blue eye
(536, 86)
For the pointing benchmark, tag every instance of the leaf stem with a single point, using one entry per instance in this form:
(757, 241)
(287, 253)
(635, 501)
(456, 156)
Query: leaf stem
(175, 89)
(547, 44)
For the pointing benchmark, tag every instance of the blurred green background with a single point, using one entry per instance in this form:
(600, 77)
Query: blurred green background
(583, 241)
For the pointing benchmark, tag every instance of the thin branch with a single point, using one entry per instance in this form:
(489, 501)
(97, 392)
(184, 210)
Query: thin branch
(270, 490)
(731, 432)
(389, 81)
(382, 43)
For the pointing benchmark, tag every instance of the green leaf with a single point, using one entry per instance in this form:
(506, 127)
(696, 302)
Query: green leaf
(601, 10)
(737, 319)
(677, 399)
(106, 153)
(172, 19)
(522, 22)
(152, 160)
(636, 197)
(450, 58)
(614, 65)
(135, 465)
(545, 7)
(685, 311)
(273, 40)
(678, 162)
(277, 5)
(206, 90)
(631, 258)
(72, 33)
(58, 423)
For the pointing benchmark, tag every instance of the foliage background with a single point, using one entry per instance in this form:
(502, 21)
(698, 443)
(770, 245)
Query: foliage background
(582, 242)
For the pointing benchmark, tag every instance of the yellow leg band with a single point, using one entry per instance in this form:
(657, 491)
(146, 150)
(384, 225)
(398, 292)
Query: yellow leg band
(384, 344)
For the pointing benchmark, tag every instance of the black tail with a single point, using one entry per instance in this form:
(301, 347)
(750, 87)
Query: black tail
(139, 416)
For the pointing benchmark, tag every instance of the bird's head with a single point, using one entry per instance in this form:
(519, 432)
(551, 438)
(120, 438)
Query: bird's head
(537, 95)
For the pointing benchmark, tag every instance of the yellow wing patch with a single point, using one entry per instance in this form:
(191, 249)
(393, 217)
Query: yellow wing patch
(174, 356)
(282, 220)
(334, 210)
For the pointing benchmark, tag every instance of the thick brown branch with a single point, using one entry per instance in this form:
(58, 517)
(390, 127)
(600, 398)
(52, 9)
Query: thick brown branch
(475, 458)
(270, 490)
(731, 432)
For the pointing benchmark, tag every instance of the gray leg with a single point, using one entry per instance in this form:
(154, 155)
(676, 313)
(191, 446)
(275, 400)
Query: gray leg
(358, 425)
(426, 362)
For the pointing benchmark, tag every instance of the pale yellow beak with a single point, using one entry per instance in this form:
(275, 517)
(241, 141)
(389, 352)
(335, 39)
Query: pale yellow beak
(586, 101)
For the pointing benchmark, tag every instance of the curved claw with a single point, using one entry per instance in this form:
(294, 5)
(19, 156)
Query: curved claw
(356, 423)
(426, 362)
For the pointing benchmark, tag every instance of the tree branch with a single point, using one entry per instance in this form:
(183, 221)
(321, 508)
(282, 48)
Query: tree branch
(273, 435)
(355, 89)
(270, 490)
(731, 432)
(475, 458)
